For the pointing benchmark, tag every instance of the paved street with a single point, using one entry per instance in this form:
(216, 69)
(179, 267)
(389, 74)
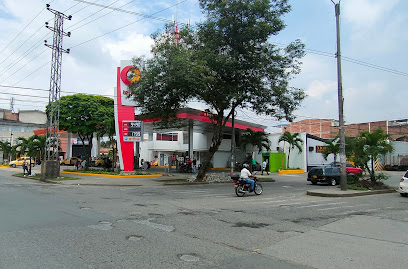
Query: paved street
(197, 226)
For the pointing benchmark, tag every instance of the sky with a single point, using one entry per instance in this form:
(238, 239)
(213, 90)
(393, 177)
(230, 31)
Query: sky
(374, 35)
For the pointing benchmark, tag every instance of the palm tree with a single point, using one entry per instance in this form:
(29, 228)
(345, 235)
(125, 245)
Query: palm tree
(5, 147)
(332, 147)
(258, 140)
(293, 141)
(34, 147)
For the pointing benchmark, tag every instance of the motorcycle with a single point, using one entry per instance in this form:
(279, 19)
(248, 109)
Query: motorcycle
(242, 187)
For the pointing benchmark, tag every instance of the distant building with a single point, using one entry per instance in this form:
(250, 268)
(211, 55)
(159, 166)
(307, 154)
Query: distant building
(20, 124)
(329, 128)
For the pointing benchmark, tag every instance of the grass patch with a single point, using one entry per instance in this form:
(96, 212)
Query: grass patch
(356, 187)
(102, 172)
(365, 185)
(266, 180)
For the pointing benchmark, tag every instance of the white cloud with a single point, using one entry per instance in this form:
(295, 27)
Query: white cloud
(366, 13)
(133, 45)
(319, 89)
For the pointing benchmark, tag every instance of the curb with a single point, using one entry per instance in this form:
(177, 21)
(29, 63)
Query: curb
(353, 194)
(104, 175)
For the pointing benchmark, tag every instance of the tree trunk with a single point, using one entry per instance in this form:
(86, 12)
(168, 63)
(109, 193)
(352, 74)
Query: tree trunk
(287, 166)
(113, 144)
(372, 172)
(216, 142)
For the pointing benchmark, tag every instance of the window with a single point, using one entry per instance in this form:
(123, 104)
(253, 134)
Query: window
(167, 137)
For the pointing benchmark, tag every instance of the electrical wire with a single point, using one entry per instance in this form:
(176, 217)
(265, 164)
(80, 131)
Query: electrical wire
(21, 31)
(89, 3)
(126, 25)
(27, 52)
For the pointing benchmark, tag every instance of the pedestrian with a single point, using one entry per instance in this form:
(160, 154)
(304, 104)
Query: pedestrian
(77, 164)
(253, 165)
(265, 166)
(194, 166)
(25, 167)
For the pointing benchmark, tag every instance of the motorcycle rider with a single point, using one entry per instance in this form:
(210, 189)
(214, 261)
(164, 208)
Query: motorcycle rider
(246, 174)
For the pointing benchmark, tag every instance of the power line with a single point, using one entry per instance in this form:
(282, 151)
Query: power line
(127, 11)
(32, 48)
(125, 25)
(22, 30)
(89, 3)
(45, 90)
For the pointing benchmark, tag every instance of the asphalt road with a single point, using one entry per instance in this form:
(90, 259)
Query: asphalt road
(197, 226)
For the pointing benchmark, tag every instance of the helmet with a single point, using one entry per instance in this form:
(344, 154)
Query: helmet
(245, 165)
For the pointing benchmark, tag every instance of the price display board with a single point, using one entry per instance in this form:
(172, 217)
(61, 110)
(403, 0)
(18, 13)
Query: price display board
(132, 131)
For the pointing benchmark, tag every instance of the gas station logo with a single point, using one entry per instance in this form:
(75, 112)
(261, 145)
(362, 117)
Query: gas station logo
(130, 74)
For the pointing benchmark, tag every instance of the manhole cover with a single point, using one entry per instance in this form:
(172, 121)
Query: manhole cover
(134, 237)
(189, 258)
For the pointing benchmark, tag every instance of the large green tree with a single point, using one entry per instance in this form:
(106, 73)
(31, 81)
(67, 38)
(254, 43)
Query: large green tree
(293, 140)
(366, 148)
(227, 62)
(85, 115)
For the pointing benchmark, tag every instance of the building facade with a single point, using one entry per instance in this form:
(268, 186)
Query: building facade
(20, 124)
(329, 128)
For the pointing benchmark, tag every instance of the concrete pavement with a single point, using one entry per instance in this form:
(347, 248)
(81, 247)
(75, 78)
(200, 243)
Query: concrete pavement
(98, 180)
(364, 242)
(164, 178)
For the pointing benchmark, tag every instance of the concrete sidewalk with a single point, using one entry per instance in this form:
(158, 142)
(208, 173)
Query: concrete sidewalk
(357, 242)
(337, 192)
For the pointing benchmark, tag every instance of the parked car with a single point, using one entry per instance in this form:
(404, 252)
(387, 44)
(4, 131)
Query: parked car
(403, 188)
(70, 161)
(99, 162)
(20, 161)
(351, 169)
(324, 174)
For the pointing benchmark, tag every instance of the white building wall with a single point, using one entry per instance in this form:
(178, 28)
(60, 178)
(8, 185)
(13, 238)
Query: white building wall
(33, 116)
(301, 159)
(315, 158)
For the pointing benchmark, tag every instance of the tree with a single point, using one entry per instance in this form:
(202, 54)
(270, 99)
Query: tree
(226, 63)
(332, 147)
(33, 147)
(293, 141)
(5, 147)
(367, 147)
(258, 140)
(85, 115)
(110, 131)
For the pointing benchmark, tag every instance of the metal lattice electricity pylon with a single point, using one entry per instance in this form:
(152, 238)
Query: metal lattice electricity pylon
(51, 150)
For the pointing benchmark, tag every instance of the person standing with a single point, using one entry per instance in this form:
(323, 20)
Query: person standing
(265, 166)
(25, 167)
(194, 166)
(254, 165)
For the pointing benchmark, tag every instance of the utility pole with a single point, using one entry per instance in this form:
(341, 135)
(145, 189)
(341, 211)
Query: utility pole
(343, 175)
(50, 167)
(12, 105)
